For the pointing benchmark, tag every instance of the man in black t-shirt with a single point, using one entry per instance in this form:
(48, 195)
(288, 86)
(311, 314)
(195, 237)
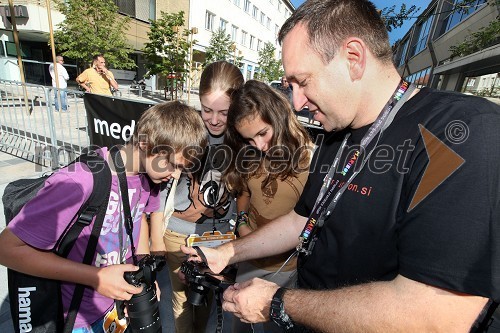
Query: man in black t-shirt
(411, 240)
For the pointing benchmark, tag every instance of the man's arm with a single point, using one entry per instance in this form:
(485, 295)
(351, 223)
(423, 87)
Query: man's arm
(82, 82)
(108, 281)
(278, 236)
(400, 305)
(111, 79)
(64, 73)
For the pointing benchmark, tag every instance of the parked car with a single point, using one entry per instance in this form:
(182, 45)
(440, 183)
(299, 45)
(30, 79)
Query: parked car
(275, 84)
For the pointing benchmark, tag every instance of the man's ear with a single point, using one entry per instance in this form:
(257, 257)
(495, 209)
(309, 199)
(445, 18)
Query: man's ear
(356, 53)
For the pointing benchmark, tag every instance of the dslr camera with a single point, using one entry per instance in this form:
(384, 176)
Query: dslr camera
(201, 280)
(142, 308)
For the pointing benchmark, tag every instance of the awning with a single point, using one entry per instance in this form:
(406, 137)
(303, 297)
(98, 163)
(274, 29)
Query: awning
(483, 62)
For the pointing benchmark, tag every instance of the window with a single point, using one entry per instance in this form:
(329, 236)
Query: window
(252, 42)
(457, 16)
(279, 6)
(249, 72)
(255, 12)
(152, 10)
(234, 33)
(236, 2)
(420, 78)
(223, 24)
(268, 24)
(243, 38)
(262, 18)
(209, 21)
(423, 29)
(402, 55)
(246, 6)
(259, 44)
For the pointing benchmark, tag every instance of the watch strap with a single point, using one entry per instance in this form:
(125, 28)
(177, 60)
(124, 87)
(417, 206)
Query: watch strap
(277, 311)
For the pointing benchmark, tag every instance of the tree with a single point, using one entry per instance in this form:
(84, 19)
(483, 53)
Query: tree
(481, 39)
(393, 20)
(167, 50)
(91, 27)
(270, 67)
(219, 48)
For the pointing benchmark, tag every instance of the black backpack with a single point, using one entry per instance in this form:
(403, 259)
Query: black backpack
(35, 303)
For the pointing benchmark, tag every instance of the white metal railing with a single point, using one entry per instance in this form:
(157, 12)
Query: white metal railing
(31, 128)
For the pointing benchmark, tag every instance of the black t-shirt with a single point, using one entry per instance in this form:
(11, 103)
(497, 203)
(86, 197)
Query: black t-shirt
(451, 237)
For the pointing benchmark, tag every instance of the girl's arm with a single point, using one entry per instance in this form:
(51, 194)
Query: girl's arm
(242, 226)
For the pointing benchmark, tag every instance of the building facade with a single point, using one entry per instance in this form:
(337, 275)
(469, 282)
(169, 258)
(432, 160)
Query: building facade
(424, 54)
(249, 23)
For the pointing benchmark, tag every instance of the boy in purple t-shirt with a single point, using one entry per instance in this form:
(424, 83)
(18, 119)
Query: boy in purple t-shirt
(155, 153)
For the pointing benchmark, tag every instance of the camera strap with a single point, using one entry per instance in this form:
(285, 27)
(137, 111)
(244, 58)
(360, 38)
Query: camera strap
(122, 178)
(334, 185)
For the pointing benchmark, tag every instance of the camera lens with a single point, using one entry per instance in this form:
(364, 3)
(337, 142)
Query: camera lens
(197, 294)
(143, 311)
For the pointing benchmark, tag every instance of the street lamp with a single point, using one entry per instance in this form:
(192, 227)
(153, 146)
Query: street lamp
(193, 31)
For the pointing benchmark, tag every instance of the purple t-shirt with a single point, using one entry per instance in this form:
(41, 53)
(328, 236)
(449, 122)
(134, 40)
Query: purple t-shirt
(42, 221)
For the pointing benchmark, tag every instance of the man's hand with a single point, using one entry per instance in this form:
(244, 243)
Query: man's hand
(110, 282)
(216, 259)
(250, 300)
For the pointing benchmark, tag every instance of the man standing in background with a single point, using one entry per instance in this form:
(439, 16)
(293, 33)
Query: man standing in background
(97, 79)
(62, 77)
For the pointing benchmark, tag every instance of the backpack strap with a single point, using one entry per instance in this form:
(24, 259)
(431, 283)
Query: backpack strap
(94, 205)
(100, 195)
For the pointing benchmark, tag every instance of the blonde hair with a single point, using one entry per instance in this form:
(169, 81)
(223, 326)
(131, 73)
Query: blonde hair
(220, 75)
(172, 127)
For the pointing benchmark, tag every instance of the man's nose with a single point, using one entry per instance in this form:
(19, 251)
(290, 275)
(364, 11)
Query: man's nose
(299, 99)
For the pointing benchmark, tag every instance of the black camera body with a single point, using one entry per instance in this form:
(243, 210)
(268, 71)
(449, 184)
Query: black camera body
(201, 280)
(142, 308)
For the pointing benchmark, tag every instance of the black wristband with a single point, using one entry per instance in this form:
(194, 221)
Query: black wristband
(277, 311)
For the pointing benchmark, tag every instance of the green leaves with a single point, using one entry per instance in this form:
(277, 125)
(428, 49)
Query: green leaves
(92, 27)
(270, 67)
(221, 48)
(479, 40)
(167, 49)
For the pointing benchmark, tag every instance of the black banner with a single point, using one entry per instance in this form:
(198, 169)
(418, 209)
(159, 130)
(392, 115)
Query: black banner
(112, 120)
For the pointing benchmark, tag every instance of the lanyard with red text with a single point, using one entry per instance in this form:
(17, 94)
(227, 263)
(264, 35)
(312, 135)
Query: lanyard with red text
(332, 188)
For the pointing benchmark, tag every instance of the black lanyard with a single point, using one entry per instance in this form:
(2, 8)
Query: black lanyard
(122, 178)
(333, 187)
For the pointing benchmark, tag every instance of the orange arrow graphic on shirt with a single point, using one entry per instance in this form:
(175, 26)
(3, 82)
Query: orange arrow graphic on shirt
(443, 162)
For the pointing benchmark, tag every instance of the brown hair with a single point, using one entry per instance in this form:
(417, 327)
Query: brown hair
(171, 126)
(254, 99)
(330, 22)
(220, 75)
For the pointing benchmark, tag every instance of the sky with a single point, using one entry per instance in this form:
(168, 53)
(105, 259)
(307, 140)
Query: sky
(395, 34)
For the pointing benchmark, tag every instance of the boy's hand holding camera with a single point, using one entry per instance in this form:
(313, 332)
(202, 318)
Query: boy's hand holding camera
(110, 282)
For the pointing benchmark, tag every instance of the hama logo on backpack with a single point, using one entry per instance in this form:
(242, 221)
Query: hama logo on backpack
(35, 303)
